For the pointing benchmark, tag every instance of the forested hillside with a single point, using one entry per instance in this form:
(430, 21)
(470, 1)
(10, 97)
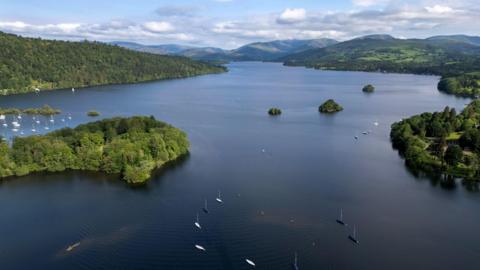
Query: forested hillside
(28, 63)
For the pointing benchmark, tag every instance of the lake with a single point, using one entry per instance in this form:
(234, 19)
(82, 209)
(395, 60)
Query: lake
(283, 180)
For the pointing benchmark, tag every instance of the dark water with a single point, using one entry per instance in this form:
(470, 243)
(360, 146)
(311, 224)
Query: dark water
(311, 167)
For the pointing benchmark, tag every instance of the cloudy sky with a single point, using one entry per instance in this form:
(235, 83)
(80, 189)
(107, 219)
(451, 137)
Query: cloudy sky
(231, 23)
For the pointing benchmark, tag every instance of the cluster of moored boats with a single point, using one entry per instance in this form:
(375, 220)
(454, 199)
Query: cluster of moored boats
(201, 248)
(353, 236)
(16, 123)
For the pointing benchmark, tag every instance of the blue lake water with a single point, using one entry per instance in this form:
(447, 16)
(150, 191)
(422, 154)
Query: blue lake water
(283, 180)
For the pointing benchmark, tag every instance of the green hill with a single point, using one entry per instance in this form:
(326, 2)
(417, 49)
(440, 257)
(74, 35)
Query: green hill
(448, 58)
(28, 63)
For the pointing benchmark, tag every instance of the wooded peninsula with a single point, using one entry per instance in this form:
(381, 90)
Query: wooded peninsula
(131, 147)
(441, 142)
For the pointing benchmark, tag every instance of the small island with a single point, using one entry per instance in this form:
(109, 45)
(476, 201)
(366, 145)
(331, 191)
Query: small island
(441, 142)
(93, 114)
(130, 147)
(368, 88)
(45, 110)
(274, 111)
(330, 106)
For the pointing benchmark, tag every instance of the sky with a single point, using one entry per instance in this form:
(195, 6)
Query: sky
(231, 23)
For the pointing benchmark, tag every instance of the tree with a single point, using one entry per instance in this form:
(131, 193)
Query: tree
(453, 155)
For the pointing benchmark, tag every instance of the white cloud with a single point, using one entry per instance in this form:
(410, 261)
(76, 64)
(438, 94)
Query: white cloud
(439, 9)
(292, 15)
(368, 3)
(158, 27)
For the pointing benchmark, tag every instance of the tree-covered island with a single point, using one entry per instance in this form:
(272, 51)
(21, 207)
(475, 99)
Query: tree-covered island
(33, 64)
(274, 111)
(441, 142)
(45, 110)
(368, 88)
(330, 106)
(131, 147)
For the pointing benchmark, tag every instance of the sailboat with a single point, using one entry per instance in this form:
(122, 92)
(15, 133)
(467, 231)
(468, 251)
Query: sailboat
(205, 208)
(250, 262)
(72, 247)
(340, 220)
(353, 236)
(219, 198)
(200, 248)
(51, 119)
(73, 89)
(197, 223)
(295, 263)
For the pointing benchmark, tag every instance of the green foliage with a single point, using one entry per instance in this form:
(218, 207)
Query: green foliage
(93, 113)
(368, 88)
(442, 141)
(462, 85)
(457, 62)
(274, 111)
(131, 147)
(27, 64)
(45, 110)
(330, 106)
(454, 155)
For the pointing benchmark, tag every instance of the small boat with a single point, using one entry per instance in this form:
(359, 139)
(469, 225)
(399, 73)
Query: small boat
(263, 150)
(15, 123)
(73, 89)
(375, 123)
(47, 128)
(250, 262)
(219, 198)
(34, 130)
(38, 121)
(69, 118)
(205, 208)
(72, 247)
(51, 120)
(353, 236)
(356, 137)
(340, 220)
(63, 120)
(19, 117)
(295, 263)
(5, 124)
(365, 133)
(197, 223)
(200, 248)
(15, 130)
(37, 89)
(2, 117)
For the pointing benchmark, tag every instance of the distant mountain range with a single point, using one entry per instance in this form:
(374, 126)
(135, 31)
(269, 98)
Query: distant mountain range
(258, 51)
(441, 55)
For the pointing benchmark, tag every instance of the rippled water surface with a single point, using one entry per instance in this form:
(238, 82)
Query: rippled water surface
(283, 180)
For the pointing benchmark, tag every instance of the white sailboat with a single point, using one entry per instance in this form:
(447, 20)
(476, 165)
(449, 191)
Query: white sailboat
(250, 262)
(205, 208)
(200, 248)
(340, 219)
(73, 89)
(72, 247)
(295, 263)
(197, 223)
(353, 236)
(219, 197)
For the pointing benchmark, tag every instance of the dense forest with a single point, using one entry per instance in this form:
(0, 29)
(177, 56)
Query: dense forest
(441, 142)
(28, 64)
(464, 85)
(131, 147)
(448, 58)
